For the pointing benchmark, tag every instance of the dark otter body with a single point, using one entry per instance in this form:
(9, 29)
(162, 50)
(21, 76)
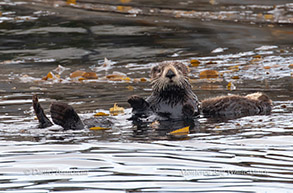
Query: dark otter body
(172, 96)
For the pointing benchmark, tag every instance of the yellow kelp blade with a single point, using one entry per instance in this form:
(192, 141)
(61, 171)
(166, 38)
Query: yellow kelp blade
(116, 109)
(101, 114)
(99, 128)
(182, 131)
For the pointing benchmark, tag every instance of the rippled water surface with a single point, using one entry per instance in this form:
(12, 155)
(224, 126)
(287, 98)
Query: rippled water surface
(248, 43)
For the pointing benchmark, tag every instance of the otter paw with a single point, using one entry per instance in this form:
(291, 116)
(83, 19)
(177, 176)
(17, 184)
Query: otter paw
(42, 118)
(138, 103)
(188, 110)
(65, 116)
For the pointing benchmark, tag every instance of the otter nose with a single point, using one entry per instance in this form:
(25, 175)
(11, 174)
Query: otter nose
(170, 74)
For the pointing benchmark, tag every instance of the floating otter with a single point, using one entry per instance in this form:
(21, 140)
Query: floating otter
(172, 98)
(234, 106)
(172, 95)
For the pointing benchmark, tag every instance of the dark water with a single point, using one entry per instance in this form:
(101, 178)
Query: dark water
(249, 43)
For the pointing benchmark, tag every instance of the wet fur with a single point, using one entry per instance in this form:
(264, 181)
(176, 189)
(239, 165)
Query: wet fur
(172, 95)
(234, 106)
(62, 114)
(173, 98)
(43, 119)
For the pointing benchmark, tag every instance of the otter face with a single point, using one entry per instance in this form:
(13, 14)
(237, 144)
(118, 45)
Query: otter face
(169, 76)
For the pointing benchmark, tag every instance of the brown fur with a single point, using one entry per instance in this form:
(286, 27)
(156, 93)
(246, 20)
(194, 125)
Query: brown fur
(43, 119)
(62, 114)
(237, 106)
(172, 95)
(161, 82)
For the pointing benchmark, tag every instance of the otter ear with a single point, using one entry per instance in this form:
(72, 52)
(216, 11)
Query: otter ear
(153, 71)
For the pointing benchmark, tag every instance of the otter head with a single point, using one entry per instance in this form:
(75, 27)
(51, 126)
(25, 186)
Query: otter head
(260, 97)
(170, 76)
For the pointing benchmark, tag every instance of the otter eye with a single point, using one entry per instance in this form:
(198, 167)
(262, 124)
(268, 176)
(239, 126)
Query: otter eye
(159, 70)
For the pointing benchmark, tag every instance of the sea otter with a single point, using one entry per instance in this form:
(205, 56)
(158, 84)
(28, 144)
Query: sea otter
(172, 97)
(234, 106)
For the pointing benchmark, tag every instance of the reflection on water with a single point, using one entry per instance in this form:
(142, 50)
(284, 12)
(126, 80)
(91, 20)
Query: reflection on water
(248, 44)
